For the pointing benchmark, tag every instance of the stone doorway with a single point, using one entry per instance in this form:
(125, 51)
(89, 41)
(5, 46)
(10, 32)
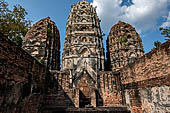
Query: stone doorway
(84, 91)
(84, 100)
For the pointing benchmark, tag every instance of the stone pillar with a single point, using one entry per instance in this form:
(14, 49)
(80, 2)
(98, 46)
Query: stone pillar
(93, 98)
(76, 100)
(70, 79)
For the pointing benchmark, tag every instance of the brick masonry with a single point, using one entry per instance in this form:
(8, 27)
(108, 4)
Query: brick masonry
(143, 86)
(123, 46)
(108, 93)
(43, 42)
(27, 86)
(146, 82)
(22, 79)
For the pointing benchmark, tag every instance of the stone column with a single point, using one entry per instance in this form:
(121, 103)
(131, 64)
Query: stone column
(93, 98)
(76, 100)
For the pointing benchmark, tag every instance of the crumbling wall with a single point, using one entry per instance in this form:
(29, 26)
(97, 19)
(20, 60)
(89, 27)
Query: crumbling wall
(152, 65)
(64, 88)
(155, 99)
(22, 79)
(146, 82)
(109, 90)
(107, 94)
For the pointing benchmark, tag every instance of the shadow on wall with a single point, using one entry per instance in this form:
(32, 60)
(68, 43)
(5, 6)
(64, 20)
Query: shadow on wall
(99, 99)
(24, 82)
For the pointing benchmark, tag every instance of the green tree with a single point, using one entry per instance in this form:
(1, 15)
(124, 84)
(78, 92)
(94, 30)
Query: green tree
(165, 32)
(18, 40)
(13, 23)
(157, 43)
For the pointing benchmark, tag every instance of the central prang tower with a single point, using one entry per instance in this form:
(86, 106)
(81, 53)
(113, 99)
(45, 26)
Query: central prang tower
(83, 47)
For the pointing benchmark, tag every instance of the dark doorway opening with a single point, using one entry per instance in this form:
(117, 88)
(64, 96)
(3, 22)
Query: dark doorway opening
(84, 100)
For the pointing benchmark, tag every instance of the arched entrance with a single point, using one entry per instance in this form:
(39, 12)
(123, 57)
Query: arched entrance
(85, 85)
(84, 92)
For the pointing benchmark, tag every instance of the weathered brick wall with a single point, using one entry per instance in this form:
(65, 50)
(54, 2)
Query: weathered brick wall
(146, 83)
(143, 85)
(110, 91)
(22, 79)
(152, 65)
(64, 85)
(64, 79)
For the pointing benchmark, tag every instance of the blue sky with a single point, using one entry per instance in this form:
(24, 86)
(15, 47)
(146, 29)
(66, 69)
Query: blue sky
(145, 15)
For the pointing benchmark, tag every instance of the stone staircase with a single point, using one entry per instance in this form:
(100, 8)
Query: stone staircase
(56, 102)
(60, 103)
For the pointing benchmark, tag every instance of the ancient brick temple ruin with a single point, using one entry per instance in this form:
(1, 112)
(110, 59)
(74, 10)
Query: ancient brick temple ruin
(83, 54)
(124, 46)
(127, 80)
(43, 42)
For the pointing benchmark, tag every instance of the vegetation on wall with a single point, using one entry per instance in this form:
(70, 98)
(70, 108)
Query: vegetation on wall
(123, 40)
(49, 30)
(157, 43)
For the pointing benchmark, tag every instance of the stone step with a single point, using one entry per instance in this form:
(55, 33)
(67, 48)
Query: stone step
(57, 100)
(84, 110)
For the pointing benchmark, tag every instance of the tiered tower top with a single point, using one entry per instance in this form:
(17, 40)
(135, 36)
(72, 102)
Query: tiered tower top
(43, 42)
(83, 47)
(124, 45)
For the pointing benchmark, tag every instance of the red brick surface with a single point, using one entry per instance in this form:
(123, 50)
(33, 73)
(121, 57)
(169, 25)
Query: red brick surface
(22, 79)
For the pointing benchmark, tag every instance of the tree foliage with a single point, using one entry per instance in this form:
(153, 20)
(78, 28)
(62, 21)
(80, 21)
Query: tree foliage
(165, 32)
(13, 23)
(17, 40)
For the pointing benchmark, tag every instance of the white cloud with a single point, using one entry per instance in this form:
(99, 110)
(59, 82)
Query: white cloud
(167, 23)
(142, 14)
